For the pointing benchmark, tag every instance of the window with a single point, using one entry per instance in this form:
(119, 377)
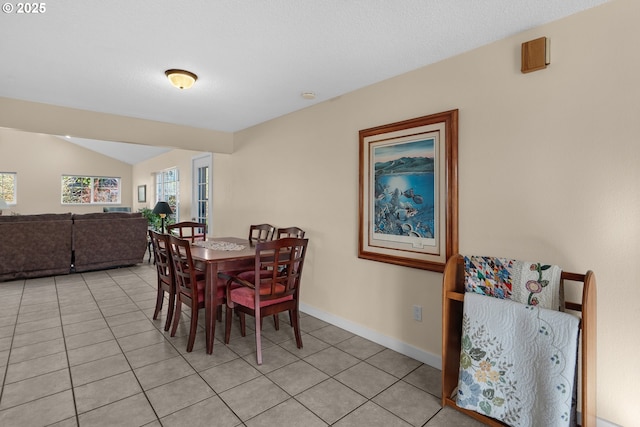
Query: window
(8, 187)
(167, 189)
(89, 190)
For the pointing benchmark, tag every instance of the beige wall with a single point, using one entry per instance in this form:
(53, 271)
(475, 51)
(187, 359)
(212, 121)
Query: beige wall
(144, 174)
(41, 160)
(548, 172)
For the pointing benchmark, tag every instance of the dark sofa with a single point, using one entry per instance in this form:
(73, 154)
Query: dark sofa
(53, 244)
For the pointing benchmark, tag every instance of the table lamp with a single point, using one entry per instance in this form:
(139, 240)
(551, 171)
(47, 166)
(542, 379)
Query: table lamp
(163, 209)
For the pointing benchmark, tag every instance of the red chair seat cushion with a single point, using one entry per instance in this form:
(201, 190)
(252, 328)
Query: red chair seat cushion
(246, 296)
(220, 290)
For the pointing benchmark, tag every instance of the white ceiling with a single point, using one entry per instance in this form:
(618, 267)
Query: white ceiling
(253, 58)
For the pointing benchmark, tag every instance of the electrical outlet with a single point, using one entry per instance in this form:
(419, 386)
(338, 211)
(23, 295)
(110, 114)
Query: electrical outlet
(417, 313)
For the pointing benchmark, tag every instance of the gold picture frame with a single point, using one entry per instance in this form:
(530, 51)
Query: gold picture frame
(408, 192)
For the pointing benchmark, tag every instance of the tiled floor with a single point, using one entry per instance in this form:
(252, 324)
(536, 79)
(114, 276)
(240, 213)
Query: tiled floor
(83, 350)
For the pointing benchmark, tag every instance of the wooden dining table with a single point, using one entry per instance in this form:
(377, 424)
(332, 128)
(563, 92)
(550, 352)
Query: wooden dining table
(214, 261)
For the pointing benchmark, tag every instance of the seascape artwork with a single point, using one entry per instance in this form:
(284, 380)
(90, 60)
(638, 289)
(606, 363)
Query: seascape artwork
(404, 192)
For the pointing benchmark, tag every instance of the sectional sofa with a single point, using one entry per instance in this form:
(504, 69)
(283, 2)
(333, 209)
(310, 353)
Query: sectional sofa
(54, 244)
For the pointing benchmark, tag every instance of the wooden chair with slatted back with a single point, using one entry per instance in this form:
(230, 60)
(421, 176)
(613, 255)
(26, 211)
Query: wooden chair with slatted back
(261, 233)
(166, 280)
(259, 294)
(190, 230)
(290, 232)
(190, 287)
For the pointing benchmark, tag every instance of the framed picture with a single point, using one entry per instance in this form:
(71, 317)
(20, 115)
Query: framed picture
(142, 193)
(408, 195)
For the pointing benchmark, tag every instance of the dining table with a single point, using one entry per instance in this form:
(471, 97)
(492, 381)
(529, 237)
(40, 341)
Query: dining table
(214, 255)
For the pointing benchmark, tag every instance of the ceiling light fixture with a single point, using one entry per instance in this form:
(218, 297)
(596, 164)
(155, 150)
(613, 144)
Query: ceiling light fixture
(181, 79)
(308, 95)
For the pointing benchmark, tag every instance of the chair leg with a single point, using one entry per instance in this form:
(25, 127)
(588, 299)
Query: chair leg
(258, 338)
(159, 301)
(192, 329)
(243, 325)
(295, 322)
(172, 305)
(227, 324)
(276, 321)
(176, 317)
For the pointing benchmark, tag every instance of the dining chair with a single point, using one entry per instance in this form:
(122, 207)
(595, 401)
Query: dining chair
(261, 233)
(271, 288)
(190, 287)
(164, 268)
(290, 232)
(188, 230)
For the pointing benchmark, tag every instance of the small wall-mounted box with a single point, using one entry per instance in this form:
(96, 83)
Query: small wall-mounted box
(535, 55)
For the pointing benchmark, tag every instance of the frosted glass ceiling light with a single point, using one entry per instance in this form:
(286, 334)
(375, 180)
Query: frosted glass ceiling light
(181, 79)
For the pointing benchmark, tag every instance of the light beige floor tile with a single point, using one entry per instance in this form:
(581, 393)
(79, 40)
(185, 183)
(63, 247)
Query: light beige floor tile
(287, 414)
(366, 379)
(131, 411)
(360, 347)
(121, 319)
(201, 361)
(448, 417)
(34, 367)
(33, 351)
(179, 394)
(99, 369)
(132, 328)
(163, 372)
(105, 391)
(371, 415)
(230, 374)
(274, 357)
(35, 388)
(37, 336)
(332, 360)
(88, 338)
(426, 378)
(143, 339)
(332, 334)
(151, 354)
(409, 403)
(41, 412)
(68, 319)
(83, 327)
(260, 392)
(297, 377)
(330, 400)
(110, 393)
(93, 352)
(202, 414)
(393, 362)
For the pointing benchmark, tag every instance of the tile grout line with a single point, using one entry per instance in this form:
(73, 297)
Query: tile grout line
(13, 334)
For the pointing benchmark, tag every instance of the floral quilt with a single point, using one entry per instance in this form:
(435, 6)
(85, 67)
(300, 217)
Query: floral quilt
(517, 362)
(530, 283)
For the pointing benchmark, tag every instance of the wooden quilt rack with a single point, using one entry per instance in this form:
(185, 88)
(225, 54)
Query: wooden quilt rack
(452, 309)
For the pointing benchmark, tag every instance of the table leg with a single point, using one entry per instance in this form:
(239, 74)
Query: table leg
(210, 304)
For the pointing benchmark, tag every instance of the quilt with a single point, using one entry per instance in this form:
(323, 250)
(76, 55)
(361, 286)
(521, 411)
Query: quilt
(517, 362)
(530, 283)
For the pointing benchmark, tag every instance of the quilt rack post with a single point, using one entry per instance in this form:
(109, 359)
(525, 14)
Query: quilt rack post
(452, 309)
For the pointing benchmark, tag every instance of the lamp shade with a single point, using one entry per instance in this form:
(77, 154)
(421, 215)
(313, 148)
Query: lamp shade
(181, 79)
(162, 208)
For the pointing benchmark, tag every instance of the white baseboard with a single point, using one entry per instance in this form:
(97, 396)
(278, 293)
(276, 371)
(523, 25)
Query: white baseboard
(434, 360)
(425, 357)
(604, 423)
